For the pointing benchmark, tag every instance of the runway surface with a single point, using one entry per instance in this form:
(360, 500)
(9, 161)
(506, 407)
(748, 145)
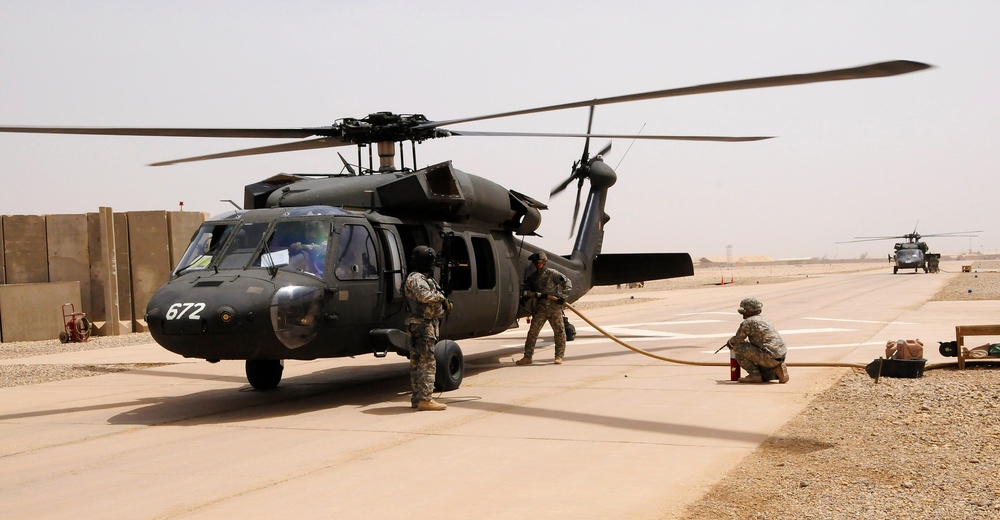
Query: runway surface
(609, 434)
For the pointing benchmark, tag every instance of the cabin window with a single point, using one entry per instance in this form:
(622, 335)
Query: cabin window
(394, 261)
(356, 258)
(456, 253)
(486, 272)
(411, 237)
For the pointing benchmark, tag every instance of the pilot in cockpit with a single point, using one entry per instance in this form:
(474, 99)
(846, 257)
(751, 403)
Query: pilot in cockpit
(309, 253)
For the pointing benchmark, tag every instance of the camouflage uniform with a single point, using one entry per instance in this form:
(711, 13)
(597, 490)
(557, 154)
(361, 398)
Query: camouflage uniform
(758, 347)
(425, 302)
(547, 281)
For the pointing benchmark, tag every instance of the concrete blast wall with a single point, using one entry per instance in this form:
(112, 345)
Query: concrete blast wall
(56, 249)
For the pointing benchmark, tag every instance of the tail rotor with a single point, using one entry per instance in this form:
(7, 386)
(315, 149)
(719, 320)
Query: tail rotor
(581, 170)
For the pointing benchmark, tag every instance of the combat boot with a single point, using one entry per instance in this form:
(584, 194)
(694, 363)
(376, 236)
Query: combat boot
(782, 372)
(430, 405)
(526, 360)
(558, 361)
(752, 378)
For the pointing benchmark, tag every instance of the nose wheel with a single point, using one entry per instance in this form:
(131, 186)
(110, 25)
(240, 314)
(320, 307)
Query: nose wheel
(264, 374)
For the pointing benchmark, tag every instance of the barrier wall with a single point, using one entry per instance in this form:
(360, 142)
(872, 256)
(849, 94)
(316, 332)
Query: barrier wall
(33, 311)
(51, 249)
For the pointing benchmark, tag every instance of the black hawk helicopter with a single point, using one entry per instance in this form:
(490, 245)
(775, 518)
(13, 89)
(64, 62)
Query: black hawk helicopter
(914, 253)
(313, 267)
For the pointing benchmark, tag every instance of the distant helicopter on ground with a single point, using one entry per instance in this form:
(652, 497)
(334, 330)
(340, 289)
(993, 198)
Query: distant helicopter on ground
(913, 254)
(313, 267)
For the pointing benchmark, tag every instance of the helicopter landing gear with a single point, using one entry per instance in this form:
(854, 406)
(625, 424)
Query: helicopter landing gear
(895, 269)
(450, 366)
(264, 374)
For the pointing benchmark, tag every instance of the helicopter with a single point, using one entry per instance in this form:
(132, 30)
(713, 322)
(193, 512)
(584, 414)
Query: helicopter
(313, 266)
(914, 253)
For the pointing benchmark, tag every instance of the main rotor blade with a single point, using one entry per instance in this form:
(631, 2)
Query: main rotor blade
(868, 239)
(953, 234)
(325, 142)
(876, 70)
(473, 133)
(266, 133)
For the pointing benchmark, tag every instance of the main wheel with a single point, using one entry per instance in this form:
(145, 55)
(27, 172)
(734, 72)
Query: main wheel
(450, 366)
(264, 374)
(895, 269)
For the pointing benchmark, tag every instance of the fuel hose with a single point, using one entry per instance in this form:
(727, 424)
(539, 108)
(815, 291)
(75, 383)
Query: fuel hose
(718, 364)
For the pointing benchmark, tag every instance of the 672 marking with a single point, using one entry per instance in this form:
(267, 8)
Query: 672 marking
(178, 310)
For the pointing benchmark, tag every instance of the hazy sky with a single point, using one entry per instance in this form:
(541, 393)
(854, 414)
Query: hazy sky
(858, 158)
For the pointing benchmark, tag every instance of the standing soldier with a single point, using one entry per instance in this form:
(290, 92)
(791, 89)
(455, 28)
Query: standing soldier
(546, 289)
(426, 304)
(757, 345)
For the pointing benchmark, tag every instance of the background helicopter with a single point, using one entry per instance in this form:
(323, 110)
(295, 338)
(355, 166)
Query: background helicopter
(914, 254)
(313, 266)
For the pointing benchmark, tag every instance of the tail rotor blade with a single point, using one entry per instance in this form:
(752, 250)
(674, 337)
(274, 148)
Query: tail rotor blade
(586, 144)
(604, 150)
(576, 208)
(563, 184)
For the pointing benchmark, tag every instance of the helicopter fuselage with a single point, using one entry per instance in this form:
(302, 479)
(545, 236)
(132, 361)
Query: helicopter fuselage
(258, 301)
(910, 255)
(319, 271)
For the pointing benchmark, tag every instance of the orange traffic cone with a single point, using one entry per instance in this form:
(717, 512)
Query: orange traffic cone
(723, 281)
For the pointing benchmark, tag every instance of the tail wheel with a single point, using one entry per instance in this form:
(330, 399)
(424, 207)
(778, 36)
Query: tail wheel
(570, 329)
(450, 366)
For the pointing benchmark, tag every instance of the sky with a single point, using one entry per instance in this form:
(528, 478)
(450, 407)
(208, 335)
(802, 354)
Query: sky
(874, 157)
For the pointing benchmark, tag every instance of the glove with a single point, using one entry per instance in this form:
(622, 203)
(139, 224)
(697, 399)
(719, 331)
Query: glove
(560, 300)
(448, 305)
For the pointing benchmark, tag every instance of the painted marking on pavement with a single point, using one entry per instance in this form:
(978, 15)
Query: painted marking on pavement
(864, 321)
(812, 347)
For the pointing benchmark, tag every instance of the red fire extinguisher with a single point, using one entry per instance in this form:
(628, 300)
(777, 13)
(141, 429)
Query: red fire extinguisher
(734, 366)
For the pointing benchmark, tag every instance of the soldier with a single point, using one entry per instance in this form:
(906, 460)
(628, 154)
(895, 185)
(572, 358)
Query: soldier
(426, 304)
(546, 289)
(758, 347)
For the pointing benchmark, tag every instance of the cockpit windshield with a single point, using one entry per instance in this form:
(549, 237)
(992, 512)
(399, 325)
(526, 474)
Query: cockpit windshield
(296, 239)
(205, 246)
(298, 246)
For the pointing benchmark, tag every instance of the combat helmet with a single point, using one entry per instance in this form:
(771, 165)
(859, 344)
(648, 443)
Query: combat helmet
(750, 306)
(422, 259)
(538, 256)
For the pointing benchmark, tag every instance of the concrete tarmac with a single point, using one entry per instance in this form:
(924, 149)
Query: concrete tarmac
(609, 434)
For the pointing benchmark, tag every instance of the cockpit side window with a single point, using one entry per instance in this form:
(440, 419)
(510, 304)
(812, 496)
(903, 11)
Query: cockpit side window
(356, 259)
